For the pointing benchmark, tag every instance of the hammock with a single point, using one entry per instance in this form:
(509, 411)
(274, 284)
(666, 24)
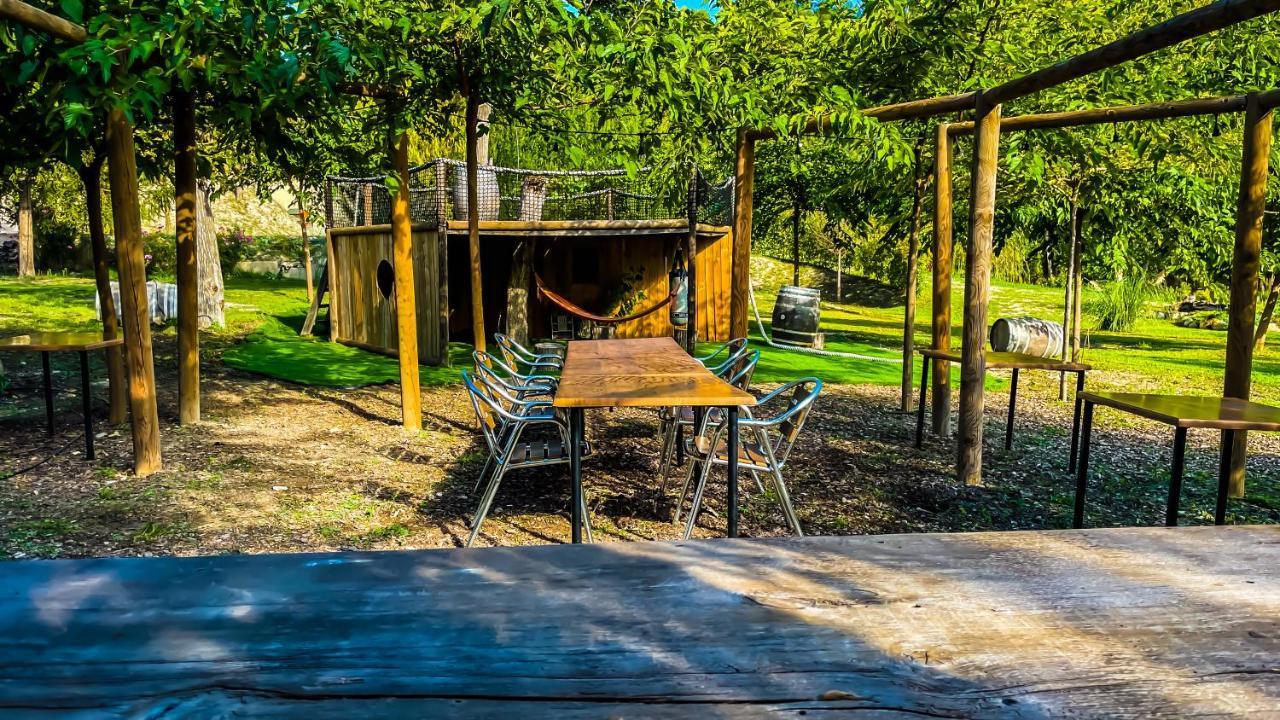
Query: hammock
(564, 304)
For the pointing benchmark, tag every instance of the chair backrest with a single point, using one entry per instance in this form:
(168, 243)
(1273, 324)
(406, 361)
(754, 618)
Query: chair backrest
(789, 422)
(727, 350)
(480, 357)
(486, 410)
(742, 370)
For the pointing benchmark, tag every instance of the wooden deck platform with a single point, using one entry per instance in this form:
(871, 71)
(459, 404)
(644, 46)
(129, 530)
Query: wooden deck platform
(1096, 623)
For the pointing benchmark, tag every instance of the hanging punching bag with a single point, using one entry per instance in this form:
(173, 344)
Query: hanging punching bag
(678, 282)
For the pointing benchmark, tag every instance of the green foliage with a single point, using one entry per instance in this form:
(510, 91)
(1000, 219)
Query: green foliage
(1122, 302)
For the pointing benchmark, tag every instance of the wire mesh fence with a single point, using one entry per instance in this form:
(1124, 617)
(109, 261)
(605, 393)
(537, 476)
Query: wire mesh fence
(438, 193)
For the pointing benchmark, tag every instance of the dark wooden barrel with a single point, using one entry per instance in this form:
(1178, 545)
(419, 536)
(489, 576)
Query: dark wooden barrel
(1032, 336)
(796, 315)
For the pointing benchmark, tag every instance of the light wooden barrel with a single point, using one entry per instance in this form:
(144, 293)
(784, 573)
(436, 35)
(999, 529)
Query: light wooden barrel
(1032, 336)
(796, 315)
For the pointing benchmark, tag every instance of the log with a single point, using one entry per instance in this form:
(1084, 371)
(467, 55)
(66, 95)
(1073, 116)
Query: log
(406, 302)
(1244, 272)
(36, 19)
(744, 173)
(942, 269)
(26, 230)
(1195, 23)
(473, 223)
(977, 291)
(123, 175)
(91, 176)
(184, 182)
(1116, 114)
(208, 263)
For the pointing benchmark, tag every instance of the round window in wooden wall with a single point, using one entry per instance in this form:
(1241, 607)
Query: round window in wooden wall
(386, 279)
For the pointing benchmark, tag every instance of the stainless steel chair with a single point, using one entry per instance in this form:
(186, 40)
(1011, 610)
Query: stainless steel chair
(509, 448)
(767, 443)
(523, 387)
(737, 371)
(518, 356)
(479, 357)
(728, 349)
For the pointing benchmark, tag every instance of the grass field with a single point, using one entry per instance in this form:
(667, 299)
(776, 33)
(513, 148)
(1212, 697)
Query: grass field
(263, 317)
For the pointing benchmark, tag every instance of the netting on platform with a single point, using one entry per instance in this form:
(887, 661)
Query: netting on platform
(438, 192)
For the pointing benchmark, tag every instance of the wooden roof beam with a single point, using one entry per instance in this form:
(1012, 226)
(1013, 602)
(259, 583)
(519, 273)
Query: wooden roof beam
(1117, 114)
(39, 20)
(1201, 21)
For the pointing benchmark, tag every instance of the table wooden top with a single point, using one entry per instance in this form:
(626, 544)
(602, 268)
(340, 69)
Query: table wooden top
(1011, 360)
(641, 372)
(57, 342)
(1142, 622)
(1192, 411)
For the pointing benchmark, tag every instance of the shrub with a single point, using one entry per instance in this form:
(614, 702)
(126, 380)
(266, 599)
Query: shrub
(1121, 302)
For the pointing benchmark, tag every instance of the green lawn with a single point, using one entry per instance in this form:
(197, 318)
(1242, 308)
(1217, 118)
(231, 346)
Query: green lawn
(263, 317)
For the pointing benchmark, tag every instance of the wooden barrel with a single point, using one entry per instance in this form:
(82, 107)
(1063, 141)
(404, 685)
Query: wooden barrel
(1032, 336)
(796, 315)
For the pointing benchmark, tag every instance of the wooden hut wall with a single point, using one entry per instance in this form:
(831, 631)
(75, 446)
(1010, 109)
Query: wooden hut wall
(362, 315)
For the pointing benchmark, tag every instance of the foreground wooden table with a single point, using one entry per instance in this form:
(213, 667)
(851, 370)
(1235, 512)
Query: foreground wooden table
(1006, 361)
(1230, 415)
(642, 372)
(50, 342)
(1147, 622)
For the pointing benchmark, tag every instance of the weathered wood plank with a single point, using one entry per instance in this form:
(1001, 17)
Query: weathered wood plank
(1101, 623)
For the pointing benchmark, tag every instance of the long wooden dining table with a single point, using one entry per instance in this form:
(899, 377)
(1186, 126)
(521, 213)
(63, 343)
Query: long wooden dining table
(642, 372)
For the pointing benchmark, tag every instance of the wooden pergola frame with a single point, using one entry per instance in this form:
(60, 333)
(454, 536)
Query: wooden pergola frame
(986, 127)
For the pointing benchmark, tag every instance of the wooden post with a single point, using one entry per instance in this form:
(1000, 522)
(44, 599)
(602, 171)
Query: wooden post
(91, 176)
(482, 139)
(1244, 271)
(306, 246)
(977, 290)
(123, 174)
(744, 181)
(184, 183)
(913, 279)
(406, 304)
(473, 223)
(26, 228)
(442, 228)
(942, 269)
(691, 251)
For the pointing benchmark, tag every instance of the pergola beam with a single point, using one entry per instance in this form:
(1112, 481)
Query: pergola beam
(1116, 114)
(39, 20)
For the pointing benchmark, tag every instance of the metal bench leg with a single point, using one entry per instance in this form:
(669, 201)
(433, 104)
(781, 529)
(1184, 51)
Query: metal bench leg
(924, 389)
(1175, 476)
(86, 403)
(732, 468)
(48, 392)
(1013, 405)
(1224, 477)
(1075, 424)
(575, 467)
(1077, 517)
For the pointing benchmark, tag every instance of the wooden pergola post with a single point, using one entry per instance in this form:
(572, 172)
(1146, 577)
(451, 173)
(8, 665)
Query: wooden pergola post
(942, 269)
(184, 182)
(406, 303)
(123, 175)
(473, 222)
(744, 181)
(1244, 272)
(977, 289)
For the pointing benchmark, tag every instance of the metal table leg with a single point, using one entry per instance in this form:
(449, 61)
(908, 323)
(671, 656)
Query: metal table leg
(732, 450)
(1013, 404)
(924, 384)
(1075, 424)
(1077, 517)
(1224, 477)
(575, 471)
(86, 404)
(48, 392)
(1175, 476)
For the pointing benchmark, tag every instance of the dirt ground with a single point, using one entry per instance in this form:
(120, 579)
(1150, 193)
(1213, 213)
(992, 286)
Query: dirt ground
(276, 467)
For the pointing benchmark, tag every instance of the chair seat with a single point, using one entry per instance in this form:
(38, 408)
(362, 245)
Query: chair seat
(749, 453)
(543, 451)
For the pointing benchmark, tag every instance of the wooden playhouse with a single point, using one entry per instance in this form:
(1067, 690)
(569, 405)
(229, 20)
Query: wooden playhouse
(601, 240)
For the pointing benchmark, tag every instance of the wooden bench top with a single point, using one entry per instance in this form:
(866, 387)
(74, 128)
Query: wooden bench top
(1119, 623)
(1011, 360)
(1192, 411)
(57, 342)
(642, 372)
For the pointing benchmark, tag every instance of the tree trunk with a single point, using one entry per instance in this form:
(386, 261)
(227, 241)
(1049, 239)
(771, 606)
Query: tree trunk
(26, 231)
(1067, 314)
(533, 195)
(473, 219)
(909, 310)
(839, 276)
(1268, 312)
(208, 263)
(306, 247)
(795, 244)
(91, 176)
(185, 222)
